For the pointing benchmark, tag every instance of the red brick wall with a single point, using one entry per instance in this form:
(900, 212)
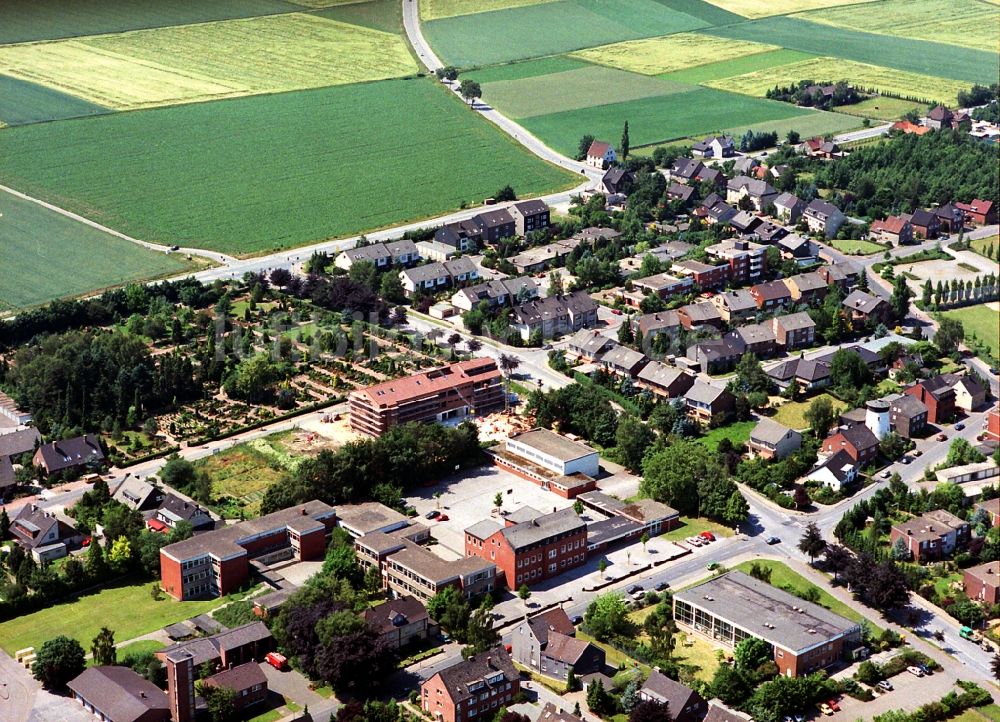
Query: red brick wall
(233, 573)
(313, 545)
(170, 576)
(976, 588)
(434, 698)
(993, 425)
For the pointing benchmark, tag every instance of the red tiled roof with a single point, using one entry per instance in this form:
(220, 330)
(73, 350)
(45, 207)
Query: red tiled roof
(428, 382)
(598, 149)
(892, 224)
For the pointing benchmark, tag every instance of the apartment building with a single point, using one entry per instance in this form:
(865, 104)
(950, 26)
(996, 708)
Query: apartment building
(745, 258)
(529, 216)
(554, 316)
(933, 536)
(453, 391)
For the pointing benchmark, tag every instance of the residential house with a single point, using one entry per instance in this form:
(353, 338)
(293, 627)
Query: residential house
(992, 507)
(817, 147)
(705, 276)
(472, 689)
(399, 622)
(662, 284)
(760, 192)
(938, 395)
(771, 295)
(593, 234)
(835, 471)
(788, 208)
(969, 393)
(798, 248)
(908, 416)
(704, 401)
(979, 212)
(70, 455)
(588, 345)
(950, 217)
(247, 681)
(8, 478)
(823, 218)
(173, 510)
(794, 331)
(745, 222)
(551, 713)
(809, 374)
(717, 213)
(771, 440)
(137, 494)
(932, 536)
(991, 426)
(746, 165)
(600, 154)
(895, 230)
(685, 170)
(381, 255)
(495, 225)
(715, 147)
(117, 694)
(807, 288)
(755, 338)
(843, 275)
(554, 316)
(858, 441)
(982, 583)
(865, 308)
(651, 325)
(529, 217)
(666, 381)
(908, 128)
(715, 356)
(18, 441)
(546, 644)
(434, 277)
(495, 293)
(745, 258)
(622, 361)
(683, 703)
(924, 223)
(616, 181)
(435, 251)
(939, 117)
(680, 192)
(699, 316)
(45, 535)
(719, 712)
(770, 233)
(736, 306)
(463, 236)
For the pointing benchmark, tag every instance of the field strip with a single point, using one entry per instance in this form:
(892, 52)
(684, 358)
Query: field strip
(211, 255)
(654, 56)
(436, 9)
(754, 9)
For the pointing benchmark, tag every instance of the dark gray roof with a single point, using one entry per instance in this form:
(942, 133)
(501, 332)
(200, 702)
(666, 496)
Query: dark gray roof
(686, 167)
(553, 620)
(465, 679)
(771, 431)
(492, 219)
(68, 453)
(19, 441)
(771, 290)
(674, 694)
(660, 374)
(840, 464)
(909, 406)
(205, 649)
(121, 695)
(795, 321)
(239, 678)
(860, 436)
(787, 200)
(543, 527)
(554, 306)
(6, 473)
(395, 613)
(863, 302)
(550, 713)
(590, 342)
(483, 529)
(565, 648)
(809, 281)
(821, 209)
(182, 509)
(531, 207)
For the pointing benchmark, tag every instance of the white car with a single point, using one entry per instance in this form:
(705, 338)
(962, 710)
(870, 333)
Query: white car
(915, 671)
(694, 541)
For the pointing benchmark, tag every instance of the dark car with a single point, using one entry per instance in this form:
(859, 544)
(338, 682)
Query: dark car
(576, 620)
(634, 589)
(660, 586)
(432, 514)
(773, 540)
(959, 426)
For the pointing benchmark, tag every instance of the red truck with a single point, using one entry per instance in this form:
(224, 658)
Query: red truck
(278, 661)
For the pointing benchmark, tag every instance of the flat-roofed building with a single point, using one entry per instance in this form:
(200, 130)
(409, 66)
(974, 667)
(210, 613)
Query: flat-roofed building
(554, 452)
(727, 609)
(368, 517)
(448, 392)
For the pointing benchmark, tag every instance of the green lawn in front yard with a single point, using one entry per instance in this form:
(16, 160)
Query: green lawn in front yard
(140, 647)
(860, 248)
(943, 585)
(127, 608)
(613, 657)
(989, 713)
(693, 527)
(792, 413)
(698, 652)
(737, 433)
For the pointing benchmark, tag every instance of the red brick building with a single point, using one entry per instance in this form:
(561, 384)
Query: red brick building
(453, 391)
(858, 441)
(982, 583)
(473, 689)
(979, 212)
(216, 563)
(938, 395)
(933, 536)
(993, 424)
(531, 546)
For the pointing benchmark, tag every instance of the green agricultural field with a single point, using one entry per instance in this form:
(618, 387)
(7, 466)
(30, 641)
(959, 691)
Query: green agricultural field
(915, 56)
(710, 13)
(550, 28)
(653, 120)
(807, 125)
(653, 56)
(22, 102)
(573, 90)
(970, 23)
(983, 321)
(274, 171)
(886, 80)
(45, 255)
(385, 15)
(211, 60)
(763, 8)
(883, 108)
(126, 608)
(525, 69)
(26, 20)
(435, 9)
(737, 66)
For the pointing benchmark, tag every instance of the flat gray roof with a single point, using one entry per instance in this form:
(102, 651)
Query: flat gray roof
(767, 612)
(553, 444)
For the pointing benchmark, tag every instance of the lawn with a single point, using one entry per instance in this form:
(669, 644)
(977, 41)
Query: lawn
(45, 255)
(695, 526)
(274, 171)
(434, 9)
(883, 108)
(613, 657)
(857, 247)
(968, 23)
(23, 102)
(763, 8)
(792, 413)
(915, 56)
(128, 610)
(574, 90)
(652, 120)
(691, 649)
(863, 75)
(25, 20)
(982, 321)
(550, 28)
(653, 56)
(982, 246)
(782, 576)
(736, 66)
(209, 61)
(140, 647)
(989, 713)
(737, 433)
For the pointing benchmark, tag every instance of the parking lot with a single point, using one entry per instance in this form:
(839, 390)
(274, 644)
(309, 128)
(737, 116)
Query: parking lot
(909, 692)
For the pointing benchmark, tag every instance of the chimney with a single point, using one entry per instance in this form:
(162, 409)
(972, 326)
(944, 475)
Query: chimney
(302, 511)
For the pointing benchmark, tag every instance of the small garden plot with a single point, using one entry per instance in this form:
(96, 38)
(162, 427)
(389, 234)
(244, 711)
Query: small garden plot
(861, 75)
(792, 413)
(738, 433)
(653, 56)
(763, 8)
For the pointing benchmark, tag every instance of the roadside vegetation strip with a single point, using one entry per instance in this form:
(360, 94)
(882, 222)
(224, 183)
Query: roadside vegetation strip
(524, 69)
(339, 161)
(550, 28)
(574, 89)
(764, 8)
(211, 60)
(435, 9)
(736, 66)
(653, 56)
(860, 75)
(916, 56)
(657, 119)
(969, 23)
(45, 255)
(23, 102)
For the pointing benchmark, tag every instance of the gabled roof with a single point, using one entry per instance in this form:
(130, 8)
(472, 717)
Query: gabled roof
(705, 393)
(922, 218)
(686, 168)
(674, 694)
(68, 453)
(564, 648)
(531, 207)
(754, 186)
(590, 342)
(598, 149)
(787, 200)
(859, 436)
(839, 464)
(863, 302)
(811, 281)
(464, 679)
(737, 300)
(657, 321)
(553, 620)
(120, 694)
(622, 357)
(908, 406)
(659, 374)
(940, 113)
(892, 224)
(770, 431)
(494, 218)
(395, 613)
(239, 678)
(795, 321)
(19, 441)
(771, 290)
(550, 713)
(821, 209)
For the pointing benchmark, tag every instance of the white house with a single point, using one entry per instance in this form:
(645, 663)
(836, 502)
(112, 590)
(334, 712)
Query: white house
(835, 471)
(823, 217)
(600, 154)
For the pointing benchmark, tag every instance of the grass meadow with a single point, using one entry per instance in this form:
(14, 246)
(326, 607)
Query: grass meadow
(736, 66)
(806, 125)
(969, 23)
(653, 56)
(23, 102)
(793, 413)
(886, 80)
(915, 56)
(857, 247)
(210, 61)
(255, 174)
(550, 28)
(525, 69)
(981, 320)
(45, 255)
(764, 8)
(883, 108)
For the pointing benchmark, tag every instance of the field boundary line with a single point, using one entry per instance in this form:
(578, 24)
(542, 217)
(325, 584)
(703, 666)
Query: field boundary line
(148, 245)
